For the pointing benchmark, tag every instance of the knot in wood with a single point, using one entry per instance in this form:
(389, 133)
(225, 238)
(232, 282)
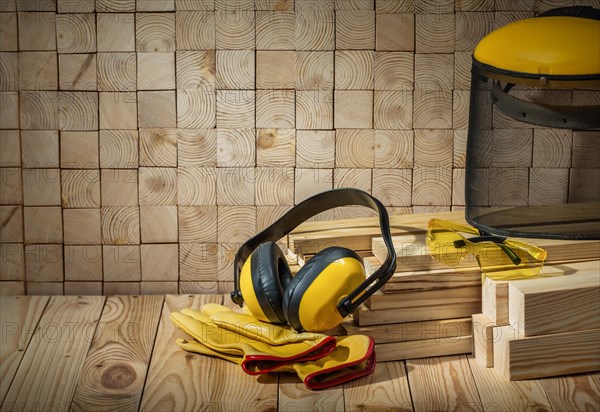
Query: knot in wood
(118, 376)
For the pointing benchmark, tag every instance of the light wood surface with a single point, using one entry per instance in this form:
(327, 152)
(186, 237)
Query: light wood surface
(425, 348)
(366, 317)
(446, 296)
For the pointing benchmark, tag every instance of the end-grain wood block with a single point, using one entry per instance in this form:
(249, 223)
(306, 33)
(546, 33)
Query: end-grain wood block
(198, 288)
(155, 71)
(10, 148)
(236, 147)
(266, 215)
(434, 71)
(393, 71)
(355, 29)
(314, 70)
(76, 6)
(195, 30)
(121, 263)
(76, 33)
(275, 30)
(198, 262)
(80, 188)
(157, 109)
(158, 288)
(275, 109)
(432, 109)
(9, 70)
(585, 150)
(309, 182)
(235, 69)
(82, 226)
(393, 109)
(517, 357)
(9, 115)
(37, 31)
(315, 30)
(235, 186)
(354, 69)
(120, 225)
(433, 147)
(483, 340)
(83, 262)
(119, 187)
(196, 186)
(314, 109)
(39, 148)
(274, 186)
(462, 70)
(285, 5)
(353, 109)
(235, 29)
(13, 263)
(44, 263)
(45, 288)
(494, 303)
(226, 255)
(77, 72)
(197, 224)
(11, 218)
(121, 288)
(434, 7)
(275, 147)
(552, 148)
(155, 32)
(197, 69)
(355, 148)
(9, 40)
(158, 147)
(508, 186)
(116, 72)
(160, 263)
(157, 186)
(38, 110)
(77, 110)
(471, 28)
(508, 147)
(197, 147)
(434, 33)
(460, 148)
(548, 186)
(235, 109)
(315, 148)
(579, 188)
(475, 5)
(393, 149)
(41, 187)
(116, 6)
(82, 288)
(196, 108)
(460, 109)
(158, 224)
(155, 5)
(357, 178)
(275, 69)
(555, 304)
(38, 71)
(12, 186)
(458, 187)
(395, 32)
(118, 149)
(393, 186)
(115, 32)
(432, 185)
(118, 110)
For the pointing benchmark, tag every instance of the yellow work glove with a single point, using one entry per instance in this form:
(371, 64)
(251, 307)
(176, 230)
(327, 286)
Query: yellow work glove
(257, 346)
(353, 357)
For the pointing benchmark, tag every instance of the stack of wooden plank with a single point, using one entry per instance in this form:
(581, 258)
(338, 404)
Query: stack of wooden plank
(541, 327)
(428, 309)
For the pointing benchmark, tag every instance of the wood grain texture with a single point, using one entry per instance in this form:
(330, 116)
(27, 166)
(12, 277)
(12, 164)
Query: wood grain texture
(443, 384)
(235, 69)
(197, 68)
(116, 71)
(158, 224)
(19, 316)
(120, 225)
(575, 392)
(434, 33)
(483, 339)
(235, 29)
(115, 367)
(354, 70)
(76, 33)
(424, 298)
(275, 30)
(314, 70)
(195, 30)
(155, 32)
(115, 32)
(275, 109)
(395, 31)
(355, 29)
(315, 30)
(294, 395)
(54, 360)
(82, 226)
(367, 317)
(426, 348)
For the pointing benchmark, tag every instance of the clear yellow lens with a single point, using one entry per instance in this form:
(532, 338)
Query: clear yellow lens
(496, 264)
(440, 244)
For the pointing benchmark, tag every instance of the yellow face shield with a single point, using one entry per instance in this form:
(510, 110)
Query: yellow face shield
(499, 258)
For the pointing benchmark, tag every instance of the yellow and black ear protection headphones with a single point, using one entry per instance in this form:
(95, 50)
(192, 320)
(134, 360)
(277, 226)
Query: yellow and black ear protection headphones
(327, 288)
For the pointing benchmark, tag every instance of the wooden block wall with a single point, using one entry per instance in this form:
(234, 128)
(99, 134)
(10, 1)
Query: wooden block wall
(142, 141)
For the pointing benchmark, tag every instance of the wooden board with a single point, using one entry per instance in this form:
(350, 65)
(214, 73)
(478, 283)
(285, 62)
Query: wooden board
(556, 304)
(494, 301)
(574, 392)
(116, 365)
(53, 362)
(518, 357)
(423, 348)
(447, 296)
(19, 317)
(409, 331)
(366, 317)
(483, 339)
(443, 384)
(293, 395)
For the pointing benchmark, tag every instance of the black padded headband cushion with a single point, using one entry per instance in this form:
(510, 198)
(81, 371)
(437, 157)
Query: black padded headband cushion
(270, 276)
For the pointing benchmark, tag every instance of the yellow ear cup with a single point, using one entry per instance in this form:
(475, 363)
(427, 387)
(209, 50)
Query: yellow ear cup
(263, 279)
(310, 301)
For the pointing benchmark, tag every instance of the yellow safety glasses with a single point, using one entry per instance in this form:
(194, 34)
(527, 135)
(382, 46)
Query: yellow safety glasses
(498, 257)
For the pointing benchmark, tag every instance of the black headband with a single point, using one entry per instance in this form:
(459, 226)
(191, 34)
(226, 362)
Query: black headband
(312, 207)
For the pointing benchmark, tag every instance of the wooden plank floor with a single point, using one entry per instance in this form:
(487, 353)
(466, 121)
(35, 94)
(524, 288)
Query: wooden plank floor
(117, 353)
